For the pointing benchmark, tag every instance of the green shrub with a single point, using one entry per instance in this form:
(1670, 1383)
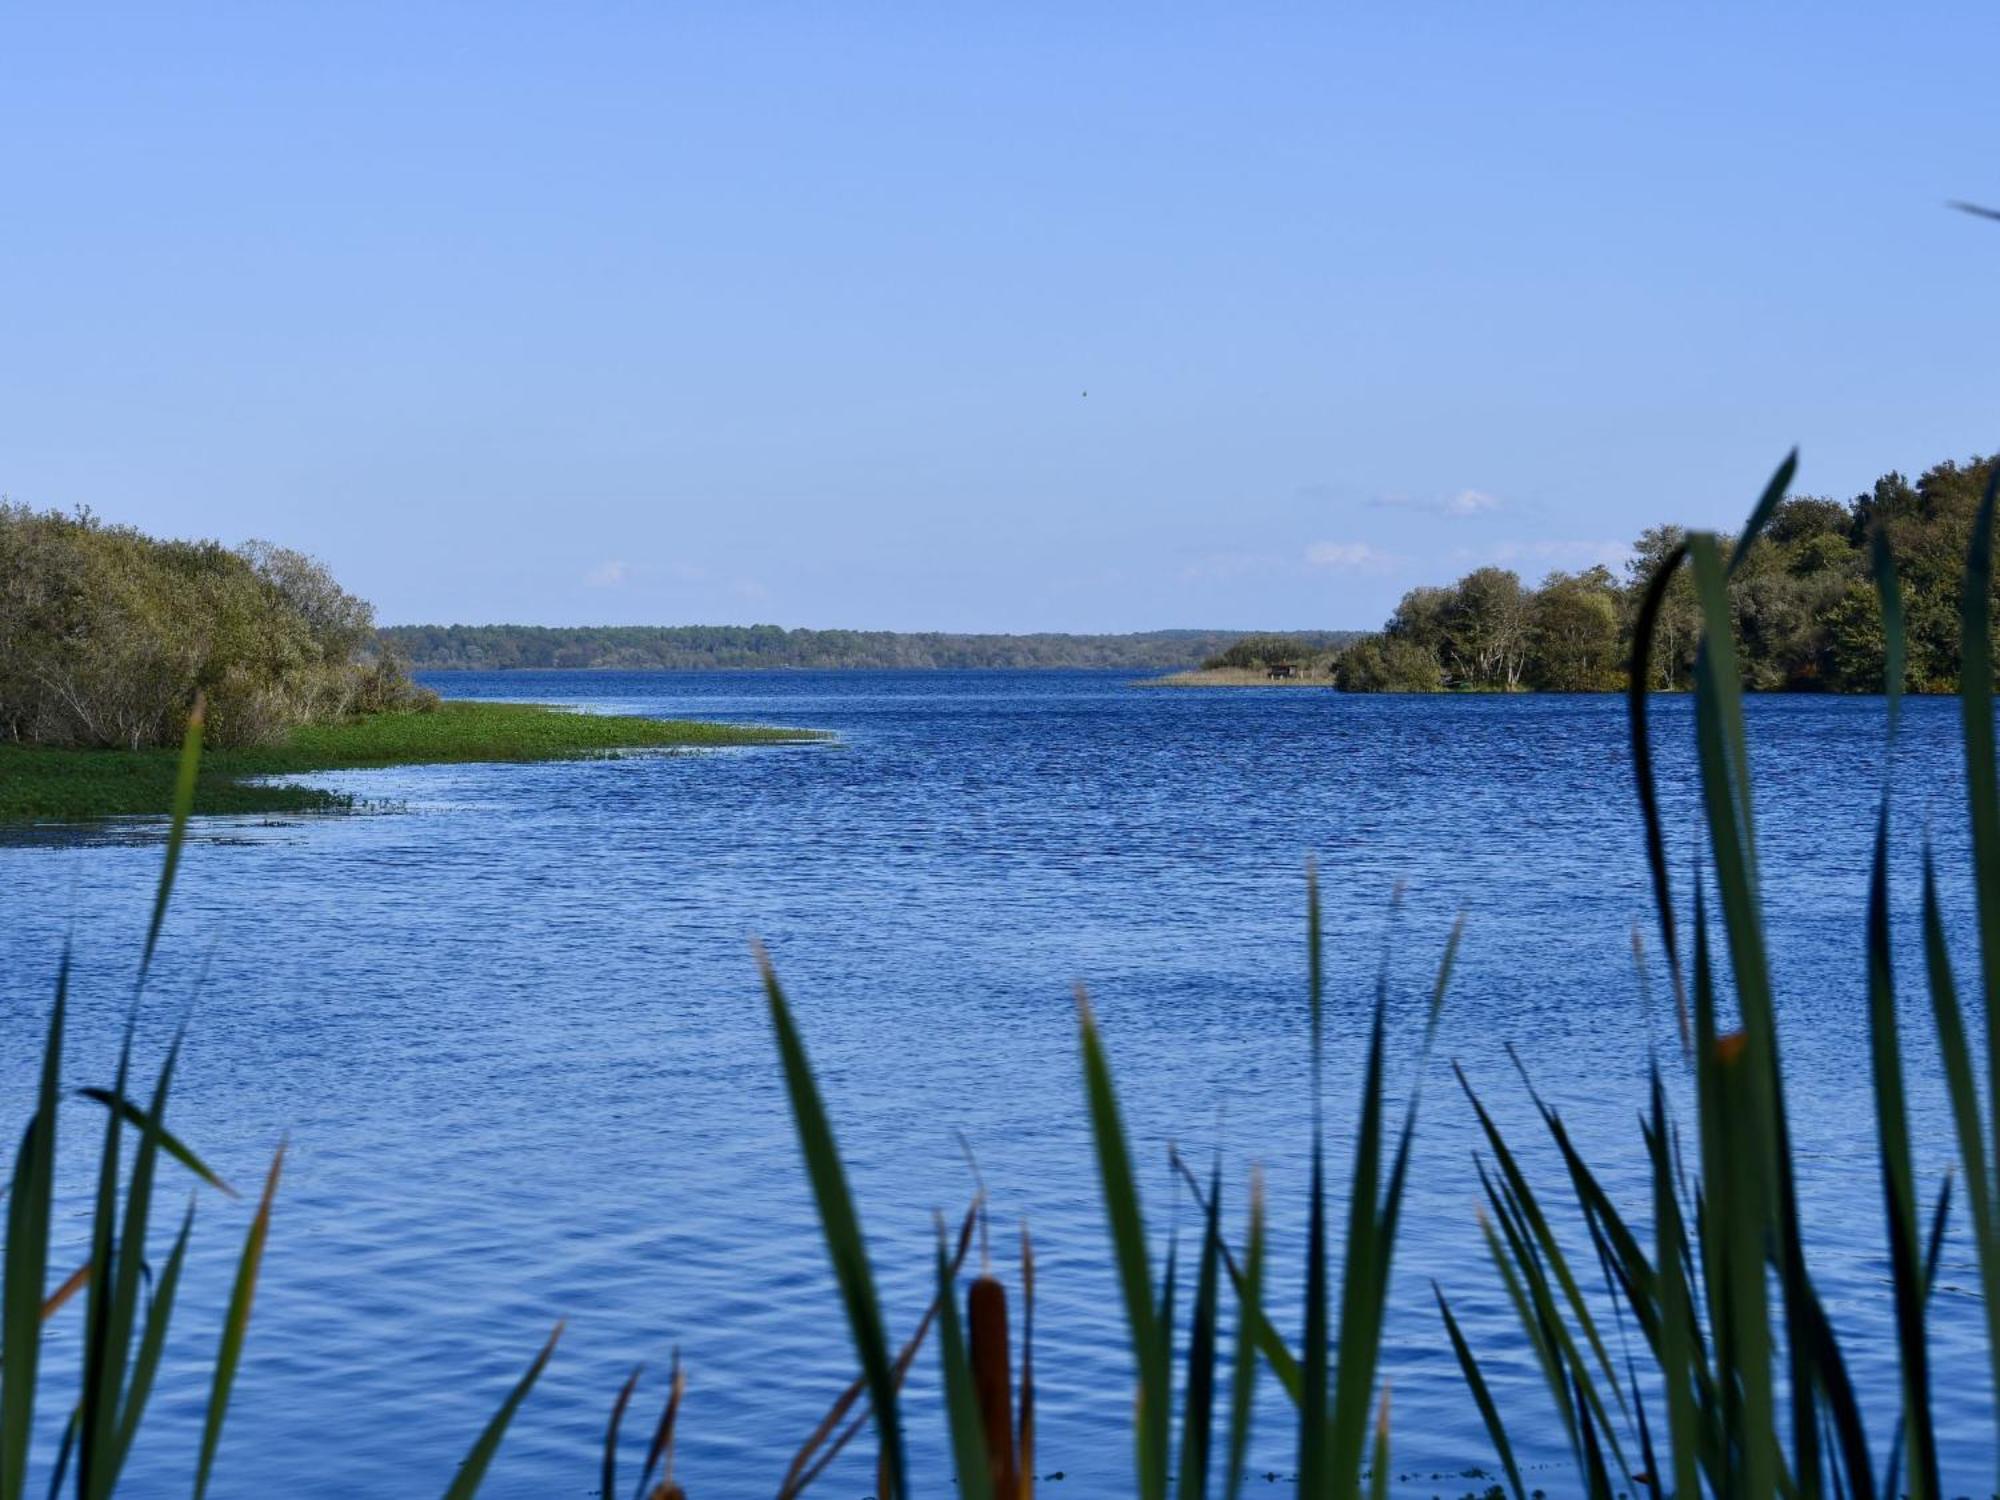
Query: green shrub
(1385, 664)
(107, 635)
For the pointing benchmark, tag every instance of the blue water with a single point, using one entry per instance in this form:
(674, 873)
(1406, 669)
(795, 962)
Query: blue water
(512, 1032)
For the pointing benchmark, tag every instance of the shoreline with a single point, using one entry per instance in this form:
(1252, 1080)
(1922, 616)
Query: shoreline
(44, 784)
(1213, 677)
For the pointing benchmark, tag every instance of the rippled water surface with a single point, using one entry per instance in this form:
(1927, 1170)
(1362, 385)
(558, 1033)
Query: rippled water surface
(512, 1032)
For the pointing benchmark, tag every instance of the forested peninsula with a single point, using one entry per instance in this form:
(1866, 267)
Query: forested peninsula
(1806, 614)
(114, 645)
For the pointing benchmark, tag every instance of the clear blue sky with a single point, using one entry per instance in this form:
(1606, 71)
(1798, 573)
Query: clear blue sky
(667, 313)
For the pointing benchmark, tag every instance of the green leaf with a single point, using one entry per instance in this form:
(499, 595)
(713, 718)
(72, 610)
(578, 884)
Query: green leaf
(472, 1472)
(1128, 1245)
(1243, 1379)
(184, 780)
(137, 1117)
(31, 1192)
(236, 1325)
(1198, 1409)
(841, 1228)
(1482, 1397)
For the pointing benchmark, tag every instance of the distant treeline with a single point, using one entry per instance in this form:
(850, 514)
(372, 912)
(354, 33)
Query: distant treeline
(689, 647)
(1805, 608)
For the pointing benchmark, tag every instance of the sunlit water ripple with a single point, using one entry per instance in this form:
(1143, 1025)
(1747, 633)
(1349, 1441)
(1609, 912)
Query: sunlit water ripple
(513, 1035)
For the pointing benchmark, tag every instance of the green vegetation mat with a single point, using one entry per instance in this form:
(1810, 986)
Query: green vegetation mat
(61, 785)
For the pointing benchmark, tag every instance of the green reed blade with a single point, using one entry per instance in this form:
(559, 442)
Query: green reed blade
(1128, 1246)
(31, 1192)
(1898, 1175)
(968, 1443)
(1552, 1330)
(1963, 1092)
(660, 1450)
(1593, 1455)
(1842, 1405)
(607, 1482)
(1243, 1379)
(137, 1117)
(1983, 805)
(1638, 691)
(184, 781)
(1531, 1212)
(1482, 1396)
(103, 1356)
(1315, 1433)
(1378, 1462)
(472, 1472)
(1531, 1328)
(236, 1325)
(107, 1432)
(839, 1226)
(1363, 1277)
(1198, 1405)
(1024, 1445)
(65, 1452)
(159, 1315)
(1676, 1353)
(1983, 796)
(1764, 509)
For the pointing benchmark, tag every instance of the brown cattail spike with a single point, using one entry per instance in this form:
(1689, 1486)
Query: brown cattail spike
(992, 1377)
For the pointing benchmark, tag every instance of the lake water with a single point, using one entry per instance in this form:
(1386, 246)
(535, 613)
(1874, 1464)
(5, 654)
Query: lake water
(513, 1034)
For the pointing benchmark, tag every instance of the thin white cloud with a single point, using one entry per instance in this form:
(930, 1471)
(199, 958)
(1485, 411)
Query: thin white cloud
(608, 575)
(1349, 557)
(1228, 565)
(1467, 502)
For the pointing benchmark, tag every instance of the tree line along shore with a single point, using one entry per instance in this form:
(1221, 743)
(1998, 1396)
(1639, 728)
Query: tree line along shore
(108, 637)
(1802, 599)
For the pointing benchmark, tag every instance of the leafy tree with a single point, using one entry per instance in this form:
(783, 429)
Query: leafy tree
(1387, 664)
(1573, 634)
(106, 635)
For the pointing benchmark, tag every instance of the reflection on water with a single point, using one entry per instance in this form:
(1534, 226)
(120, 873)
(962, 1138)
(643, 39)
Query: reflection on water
(513, 1035)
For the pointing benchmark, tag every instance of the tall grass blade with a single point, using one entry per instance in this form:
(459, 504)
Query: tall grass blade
(607, 1482)
(236, 1325)
(1638, 692)
(1482, 1396)
(1198, 1409)
(159, 1316)
(659, 1453)
(30, 1195)
(184, 782)
(1243, 1377)
(472, 1473)
(841, 1229)
(1128, 1245)
(1025, 1448)
(1898, 1187)
(1963, 1092)
(1378, 1462)
(137, 1117)
(1983, 804)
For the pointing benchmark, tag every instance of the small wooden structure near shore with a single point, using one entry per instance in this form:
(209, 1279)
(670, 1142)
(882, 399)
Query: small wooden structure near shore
(1278, 669)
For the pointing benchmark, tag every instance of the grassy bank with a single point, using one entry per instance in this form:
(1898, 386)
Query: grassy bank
(38, 783)
(1237, 677)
